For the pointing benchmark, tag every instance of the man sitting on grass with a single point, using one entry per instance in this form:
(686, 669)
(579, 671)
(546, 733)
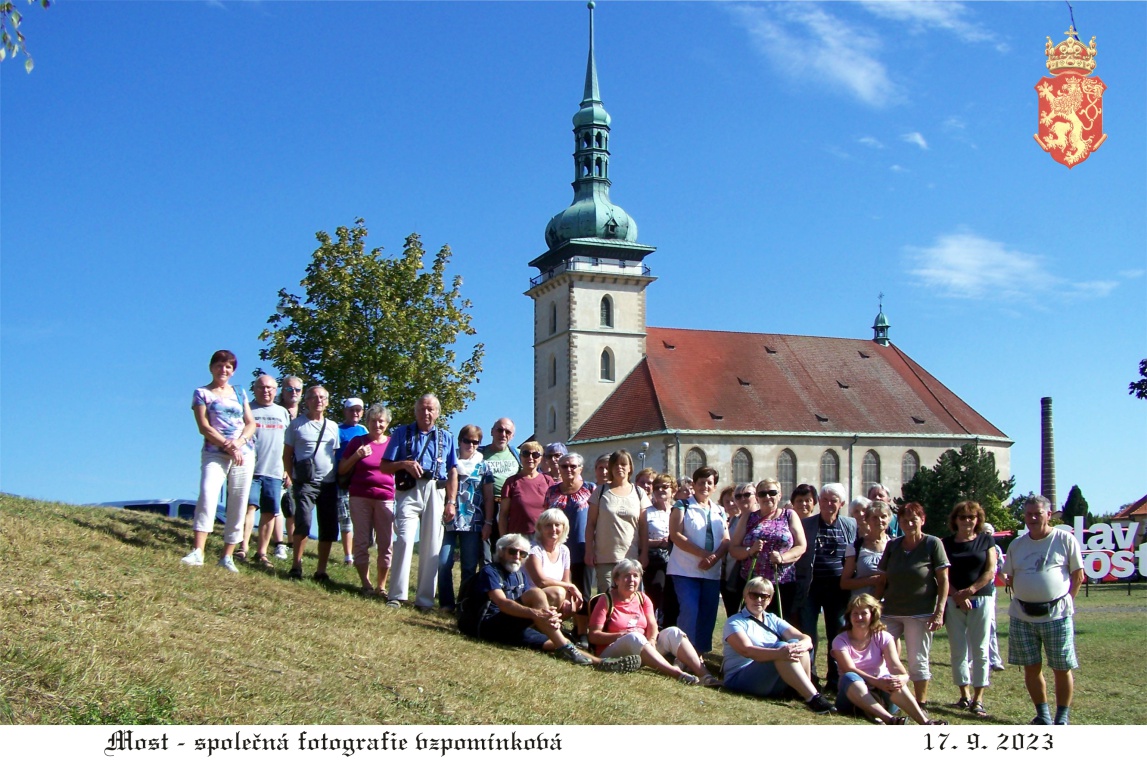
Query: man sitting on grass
(502, 610)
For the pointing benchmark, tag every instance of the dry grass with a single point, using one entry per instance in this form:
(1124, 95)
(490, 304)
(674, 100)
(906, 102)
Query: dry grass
(99, 623)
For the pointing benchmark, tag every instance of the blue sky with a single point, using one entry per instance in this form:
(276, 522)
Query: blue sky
(166, 165)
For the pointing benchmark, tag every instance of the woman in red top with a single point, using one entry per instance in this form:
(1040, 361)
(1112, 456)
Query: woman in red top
(371, 498)
(622, 624)
(524, 494)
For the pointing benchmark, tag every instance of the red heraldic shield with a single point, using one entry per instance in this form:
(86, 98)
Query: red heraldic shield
(1070, 103)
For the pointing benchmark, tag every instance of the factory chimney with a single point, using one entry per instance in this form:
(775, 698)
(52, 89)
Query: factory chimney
(1047, 453)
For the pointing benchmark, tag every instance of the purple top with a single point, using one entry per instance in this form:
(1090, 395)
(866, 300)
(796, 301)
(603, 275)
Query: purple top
(777, 535)
(367, 481)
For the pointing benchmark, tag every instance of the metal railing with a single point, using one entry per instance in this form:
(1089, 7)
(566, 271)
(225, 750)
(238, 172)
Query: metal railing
(598, 265)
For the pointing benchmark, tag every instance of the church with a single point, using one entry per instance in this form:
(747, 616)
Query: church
(799, 409)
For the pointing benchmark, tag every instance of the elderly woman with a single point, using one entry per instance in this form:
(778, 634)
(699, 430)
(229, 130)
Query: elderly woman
(622, 624)
(614, 516)
(371, 498)
(768, 543)
(857, 507)
(862, 572)
(866, 655)
(915, 592)
(571, 496)
(653, 539)
(766, 656)
(805, 500)
(971, 579)
(224, 418)
(700, 539)
(524, 493)
(464, 533)
(548, 566)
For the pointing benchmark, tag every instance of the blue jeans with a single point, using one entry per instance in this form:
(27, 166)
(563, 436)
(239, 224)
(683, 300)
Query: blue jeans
(469, 544)
(760, 678)
(697, 600)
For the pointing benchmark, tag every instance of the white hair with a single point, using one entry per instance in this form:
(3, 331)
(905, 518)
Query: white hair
(836, 489)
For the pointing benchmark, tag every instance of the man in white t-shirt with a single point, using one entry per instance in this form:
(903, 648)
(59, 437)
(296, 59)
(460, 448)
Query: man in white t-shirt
(1045, 570)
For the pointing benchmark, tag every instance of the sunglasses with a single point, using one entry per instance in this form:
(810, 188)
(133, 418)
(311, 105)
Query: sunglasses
(767, 493)
(470, 441)
(568, 466)
(515, 552)
(742, 495)
(500, 429)
(292, 389)
(532, 455)
(758, 595)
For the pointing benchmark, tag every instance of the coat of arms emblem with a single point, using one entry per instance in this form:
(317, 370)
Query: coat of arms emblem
(1070, 102)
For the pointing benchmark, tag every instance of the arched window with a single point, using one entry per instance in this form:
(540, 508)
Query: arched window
(829, 467)
(552, 420)
(787, 473)
(869, 470)
(607, 311)
(553, 371)
(742, 466)
(553, 318)
(694, 461)
(597, 139)
(585, 139)
(909, 465)
(606, 366)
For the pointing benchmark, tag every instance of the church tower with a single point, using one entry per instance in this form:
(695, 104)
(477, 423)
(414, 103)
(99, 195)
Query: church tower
(589, 297)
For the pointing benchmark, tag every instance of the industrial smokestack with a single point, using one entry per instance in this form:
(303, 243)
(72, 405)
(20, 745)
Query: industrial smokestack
(1047, 453)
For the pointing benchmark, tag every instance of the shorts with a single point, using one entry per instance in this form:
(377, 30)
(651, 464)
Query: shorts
(323, 500)
(344, 512)
(511, 630)
(1056, 637)
(631, 644)
(265, 495)
(845, 706)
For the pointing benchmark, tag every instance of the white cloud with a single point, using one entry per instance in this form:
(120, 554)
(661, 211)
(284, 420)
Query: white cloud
(897, 169)
(922, 15)
(965, 265)
(915, 138)
(805, 41)
(1133, 273)
(870, 142)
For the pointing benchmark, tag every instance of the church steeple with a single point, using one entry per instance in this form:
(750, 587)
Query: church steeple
(591, 215)
(881, 326)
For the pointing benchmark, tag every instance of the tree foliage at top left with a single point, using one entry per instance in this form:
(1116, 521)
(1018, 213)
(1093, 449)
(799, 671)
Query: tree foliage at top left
(12, 42)
(380, 328)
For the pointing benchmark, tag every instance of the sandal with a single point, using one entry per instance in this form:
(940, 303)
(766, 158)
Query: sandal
(897, 720)
(263, 561)
(963, 703)
(978, 710)
(936, 722)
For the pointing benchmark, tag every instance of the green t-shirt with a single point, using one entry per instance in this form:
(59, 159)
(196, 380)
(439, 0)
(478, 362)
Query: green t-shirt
(502, 464)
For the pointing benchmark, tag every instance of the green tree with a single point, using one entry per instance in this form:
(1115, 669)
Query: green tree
(1138, 389)
(1016, 507)
(12, 43)
(379, 328)
(1075, 507)
(967, 474)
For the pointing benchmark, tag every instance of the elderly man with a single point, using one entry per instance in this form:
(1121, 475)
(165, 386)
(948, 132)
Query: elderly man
(503, 460)
(350, 427)
(424, 461)
(504, 610)
(309, 456)
(1045, 570)
(828, 533)
(289, 398)
(271, 421)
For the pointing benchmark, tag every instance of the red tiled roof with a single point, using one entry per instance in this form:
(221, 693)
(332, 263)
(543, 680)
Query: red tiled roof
(1138, 507)
(738, 381)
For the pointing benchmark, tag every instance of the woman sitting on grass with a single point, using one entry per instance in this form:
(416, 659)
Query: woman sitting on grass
(622, 624)
(868, 661)
(548, 566)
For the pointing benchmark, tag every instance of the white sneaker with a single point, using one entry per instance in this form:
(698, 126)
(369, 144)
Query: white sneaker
(281, 551)
(228, 563)
(193, 558)
(348, 560)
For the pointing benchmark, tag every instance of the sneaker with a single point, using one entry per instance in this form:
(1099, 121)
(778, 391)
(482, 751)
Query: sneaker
(321, 576)
(711, 681)
(394, 603)
(570, 653)
(1037, 720)
(348, 560)
(818, 704)
(686, 679)
(296, 572)
(281, 551)
(998, 667)
(193, 558)
(619, 664)
(228, 563)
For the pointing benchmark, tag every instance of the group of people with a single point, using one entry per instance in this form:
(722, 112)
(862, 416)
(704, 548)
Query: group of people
(535, 538)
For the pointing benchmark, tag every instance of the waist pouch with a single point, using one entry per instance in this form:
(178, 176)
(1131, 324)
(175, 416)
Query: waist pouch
(1039, 609)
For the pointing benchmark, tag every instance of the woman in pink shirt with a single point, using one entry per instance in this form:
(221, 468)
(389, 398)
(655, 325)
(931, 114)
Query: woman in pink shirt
(371, 498)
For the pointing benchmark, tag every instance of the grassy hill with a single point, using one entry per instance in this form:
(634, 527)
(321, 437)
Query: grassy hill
(100, 624)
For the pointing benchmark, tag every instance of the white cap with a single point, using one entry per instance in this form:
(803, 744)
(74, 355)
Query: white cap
(349, 402)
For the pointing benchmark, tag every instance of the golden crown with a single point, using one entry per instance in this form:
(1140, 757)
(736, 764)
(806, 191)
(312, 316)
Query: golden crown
(1070, 55)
